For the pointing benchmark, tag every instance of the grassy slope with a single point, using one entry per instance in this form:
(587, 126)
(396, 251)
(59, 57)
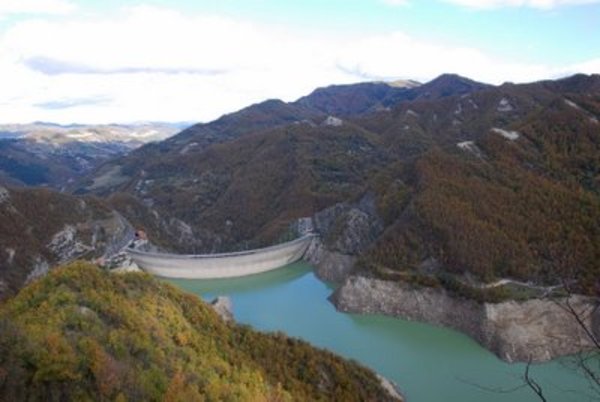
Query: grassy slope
(83, 334)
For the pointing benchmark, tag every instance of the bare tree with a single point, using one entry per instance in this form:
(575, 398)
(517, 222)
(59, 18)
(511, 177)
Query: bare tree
(532, 383)
(587, 361)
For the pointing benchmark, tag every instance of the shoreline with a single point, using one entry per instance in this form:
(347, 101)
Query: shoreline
(513, 331)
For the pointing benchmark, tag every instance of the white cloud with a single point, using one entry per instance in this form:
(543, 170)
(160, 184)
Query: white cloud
(36, 7)
(586, 67)
(541, 4)
(386, 55)
(157, 64)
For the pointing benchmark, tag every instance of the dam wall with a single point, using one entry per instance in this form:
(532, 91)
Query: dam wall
(224, 265)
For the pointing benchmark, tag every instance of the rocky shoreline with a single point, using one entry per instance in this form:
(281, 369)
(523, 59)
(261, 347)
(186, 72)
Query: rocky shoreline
(537, 329)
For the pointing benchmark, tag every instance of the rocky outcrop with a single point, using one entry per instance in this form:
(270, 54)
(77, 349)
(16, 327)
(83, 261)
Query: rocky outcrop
(223, 307)
(66, 245)
(392, 389)
(346, 230)
(515, 331)
(39, 268)
(42, 229)
(330, 266)
(4, 194)
(349, 228)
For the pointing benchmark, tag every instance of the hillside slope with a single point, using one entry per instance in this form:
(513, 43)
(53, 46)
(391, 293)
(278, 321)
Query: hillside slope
(469, 180)
(509, 187)
(41, 228)
(84, 334)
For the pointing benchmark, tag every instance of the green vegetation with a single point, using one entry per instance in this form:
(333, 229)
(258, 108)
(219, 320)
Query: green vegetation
(83, 334)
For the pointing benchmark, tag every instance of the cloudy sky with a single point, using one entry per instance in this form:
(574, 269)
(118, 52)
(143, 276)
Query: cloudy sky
(100, 61)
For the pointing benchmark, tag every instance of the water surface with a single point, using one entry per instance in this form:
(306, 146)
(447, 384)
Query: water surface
(429, 364)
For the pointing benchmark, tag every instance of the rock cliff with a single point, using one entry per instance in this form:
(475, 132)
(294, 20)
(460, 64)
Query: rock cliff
(346, 230)
(537, 329)
(41, 229)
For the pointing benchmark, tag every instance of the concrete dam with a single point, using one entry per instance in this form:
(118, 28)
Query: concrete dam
(222, 265)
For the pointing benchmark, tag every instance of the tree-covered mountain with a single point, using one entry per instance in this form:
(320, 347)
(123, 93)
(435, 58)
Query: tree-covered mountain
(81, 333)
(468, 178)
(488, 192)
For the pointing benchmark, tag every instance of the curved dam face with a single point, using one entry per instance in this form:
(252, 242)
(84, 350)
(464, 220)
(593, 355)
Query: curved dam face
(225, 265)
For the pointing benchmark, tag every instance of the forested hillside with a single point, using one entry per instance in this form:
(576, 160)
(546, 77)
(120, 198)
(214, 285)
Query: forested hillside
(83, 334)
(469, 179)
(41, 228)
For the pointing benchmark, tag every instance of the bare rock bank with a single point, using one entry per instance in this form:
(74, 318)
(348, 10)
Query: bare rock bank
(223, 306)
(346, 230)
(515, 331)
(330, 265)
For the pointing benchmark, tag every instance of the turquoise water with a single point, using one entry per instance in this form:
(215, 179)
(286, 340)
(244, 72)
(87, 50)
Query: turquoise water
(429, 364)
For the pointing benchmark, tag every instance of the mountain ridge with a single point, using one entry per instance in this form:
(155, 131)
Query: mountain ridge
(53, 155)
(432, 165)
(245, 188)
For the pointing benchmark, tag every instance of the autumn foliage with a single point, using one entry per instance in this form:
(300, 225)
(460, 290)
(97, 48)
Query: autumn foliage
(84, 334)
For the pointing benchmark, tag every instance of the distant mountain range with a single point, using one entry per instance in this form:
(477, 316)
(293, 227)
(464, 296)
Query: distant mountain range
(51, 154)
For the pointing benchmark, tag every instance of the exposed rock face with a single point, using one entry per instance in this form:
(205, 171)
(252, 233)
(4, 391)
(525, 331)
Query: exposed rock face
(330, 266)
(515, 331)
(104, 237)
(40, 268)
(222, 306)
(42, 229)
(66, 246)
(391, 388)
(333, 121)
(537, 328)
(4, 194)
(346, 230)
(122, 261)
(349, 228)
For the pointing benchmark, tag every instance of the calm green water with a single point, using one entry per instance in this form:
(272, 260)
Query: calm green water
(429, 364)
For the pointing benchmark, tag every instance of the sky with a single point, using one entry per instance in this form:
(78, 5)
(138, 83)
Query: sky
(124, 61)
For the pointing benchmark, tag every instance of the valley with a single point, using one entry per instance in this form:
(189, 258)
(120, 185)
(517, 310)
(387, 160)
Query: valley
(453, 202)
(45, 154)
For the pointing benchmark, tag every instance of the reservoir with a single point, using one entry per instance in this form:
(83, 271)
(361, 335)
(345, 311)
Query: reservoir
(429, 364)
